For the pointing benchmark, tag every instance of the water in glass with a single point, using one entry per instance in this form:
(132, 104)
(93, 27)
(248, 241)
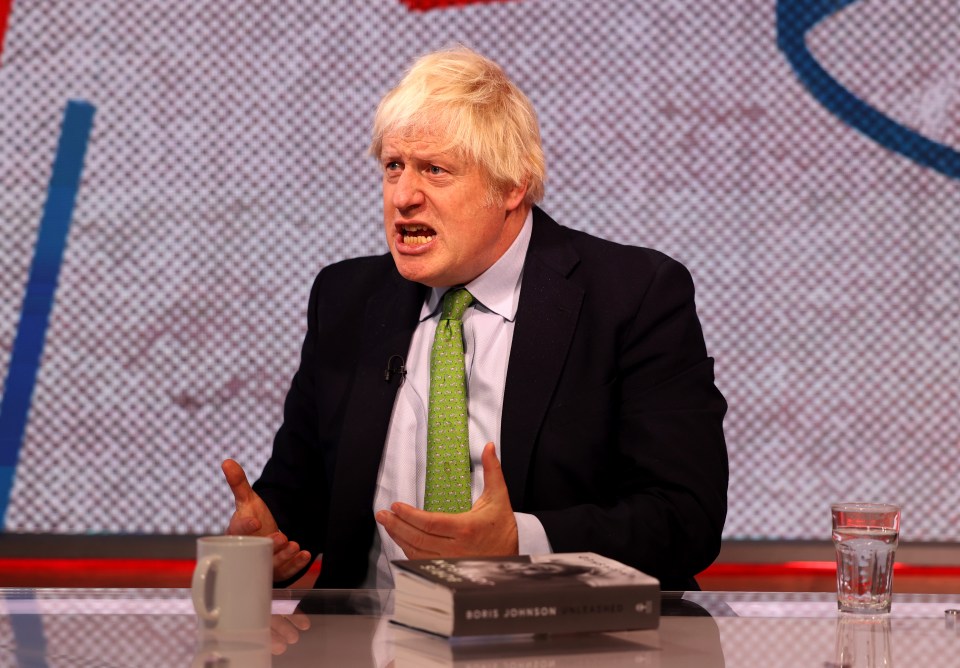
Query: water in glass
(864, 568)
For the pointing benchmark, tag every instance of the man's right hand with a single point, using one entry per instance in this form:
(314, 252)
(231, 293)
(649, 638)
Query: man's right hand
(253, 518)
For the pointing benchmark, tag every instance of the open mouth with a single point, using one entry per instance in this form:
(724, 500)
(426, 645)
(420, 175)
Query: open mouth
(416, 234)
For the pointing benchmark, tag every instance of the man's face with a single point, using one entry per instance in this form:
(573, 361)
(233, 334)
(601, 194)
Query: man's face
(443, 225)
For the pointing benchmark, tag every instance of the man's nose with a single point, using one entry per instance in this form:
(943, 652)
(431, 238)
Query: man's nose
(407, 191)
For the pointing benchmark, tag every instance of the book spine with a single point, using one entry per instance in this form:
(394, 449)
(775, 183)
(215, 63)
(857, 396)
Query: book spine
(561, 610)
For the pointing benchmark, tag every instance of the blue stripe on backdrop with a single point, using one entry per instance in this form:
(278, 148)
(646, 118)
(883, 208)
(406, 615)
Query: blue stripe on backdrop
(41, 287)
(30, 642)
(795, 18)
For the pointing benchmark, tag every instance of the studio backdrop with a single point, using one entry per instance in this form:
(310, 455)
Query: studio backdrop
(174, 173)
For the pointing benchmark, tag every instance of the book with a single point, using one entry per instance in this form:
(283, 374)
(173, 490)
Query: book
(551, 593)
(414, 649)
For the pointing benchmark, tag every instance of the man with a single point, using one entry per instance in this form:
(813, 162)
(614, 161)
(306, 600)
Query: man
(585, 365)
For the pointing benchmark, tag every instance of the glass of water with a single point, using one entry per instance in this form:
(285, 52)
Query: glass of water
(865, 536)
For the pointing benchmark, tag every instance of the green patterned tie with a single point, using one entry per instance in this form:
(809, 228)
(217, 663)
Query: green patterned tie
(448, 444)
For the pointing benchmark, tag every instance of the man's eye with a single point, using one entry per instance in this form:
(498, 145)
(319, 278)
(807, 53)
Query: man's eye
(437, 170)
(392, 165)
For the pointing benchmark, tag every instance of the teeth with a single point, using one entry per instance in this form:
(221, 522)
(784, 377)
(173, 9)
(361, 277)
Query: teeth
(410, 236)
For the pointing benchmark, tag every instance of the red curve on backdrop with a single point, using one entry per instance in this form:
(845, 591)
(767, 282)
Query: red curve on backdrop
(5, 7)
(427, 5)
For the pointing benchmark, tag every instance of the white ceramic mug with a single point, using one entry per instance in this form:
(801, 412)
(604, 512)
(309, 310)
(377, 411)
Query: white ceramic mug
(233, 582)
(216, 653)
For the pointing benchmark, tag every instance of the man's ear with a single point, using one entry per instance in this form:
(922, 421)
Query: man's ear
(514, 195)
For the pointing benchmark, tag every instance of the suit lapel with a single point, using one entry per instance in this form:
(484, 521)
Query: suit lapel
(390, 319)
(546, 320)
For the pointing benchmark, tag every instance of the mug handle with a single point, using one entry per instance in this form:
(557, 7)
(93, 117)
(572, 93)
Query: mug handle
(199, 586)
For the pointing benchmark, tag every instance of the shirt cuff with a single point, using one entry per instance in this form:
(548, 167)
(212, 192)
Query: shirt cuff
(531, 535)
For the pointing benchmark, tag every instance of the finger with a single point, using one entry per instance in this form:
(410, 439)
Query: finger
(410, 537)
(409, 550)
(493, 481)
(278, 646)
(237, 479)
(282, 627)
(300, 620)
(284, 570)
(283, 550)
(425, 521)
(395, 529)
(283, 547)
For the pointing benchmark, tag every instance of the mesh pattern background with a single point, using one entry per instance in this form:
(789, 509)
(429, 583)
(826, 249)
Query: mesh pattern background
(227, 165)
(834, 643)
(97, 641)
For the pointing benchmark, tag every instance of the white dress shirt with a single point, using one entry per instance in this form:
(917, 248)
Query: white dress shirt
(488, 334)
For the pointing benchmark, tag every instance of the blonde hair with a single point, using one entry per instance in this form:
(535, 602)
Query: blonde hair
(459, 94)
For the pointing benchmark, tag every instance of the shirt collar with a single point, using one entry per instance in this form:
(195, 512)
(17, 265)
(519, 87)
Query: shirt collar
(498, 288)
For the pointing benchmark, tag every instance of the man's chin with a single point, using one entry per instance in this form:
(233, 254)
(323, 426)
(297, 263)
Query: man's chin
(416, 270)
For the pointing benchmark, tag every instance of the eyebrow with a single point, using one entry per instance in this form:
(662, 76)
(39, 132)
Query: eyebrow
(430, 157)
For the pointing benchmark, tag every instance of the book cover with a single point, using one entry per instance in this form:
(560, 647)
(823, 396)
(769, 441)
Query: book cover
(551, 593)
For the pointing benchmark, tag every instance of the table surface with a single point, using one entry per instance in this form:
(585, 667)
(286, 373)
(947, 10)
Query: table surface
(157, 627)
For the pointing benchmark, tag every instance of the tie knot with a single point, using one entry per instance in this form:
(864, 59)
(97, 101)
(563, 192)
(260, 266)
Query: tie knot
(455, 303)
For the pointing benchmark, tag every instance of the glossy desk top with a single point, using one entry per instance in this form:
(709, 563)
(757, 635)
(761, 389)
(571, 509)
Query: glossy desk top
(126, 627)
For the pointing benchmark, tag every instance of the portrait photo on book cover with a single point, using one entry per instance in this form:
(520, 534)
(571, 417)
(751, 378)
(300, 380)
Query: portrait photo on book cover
(552, 569)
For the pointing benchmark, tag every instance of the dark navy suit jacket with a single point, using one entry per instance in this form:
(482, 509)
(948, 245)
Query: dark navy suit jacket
(612, 425)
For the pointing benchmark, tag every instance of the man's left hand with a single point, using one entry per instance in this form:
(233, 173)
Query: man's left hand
(487, 529)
